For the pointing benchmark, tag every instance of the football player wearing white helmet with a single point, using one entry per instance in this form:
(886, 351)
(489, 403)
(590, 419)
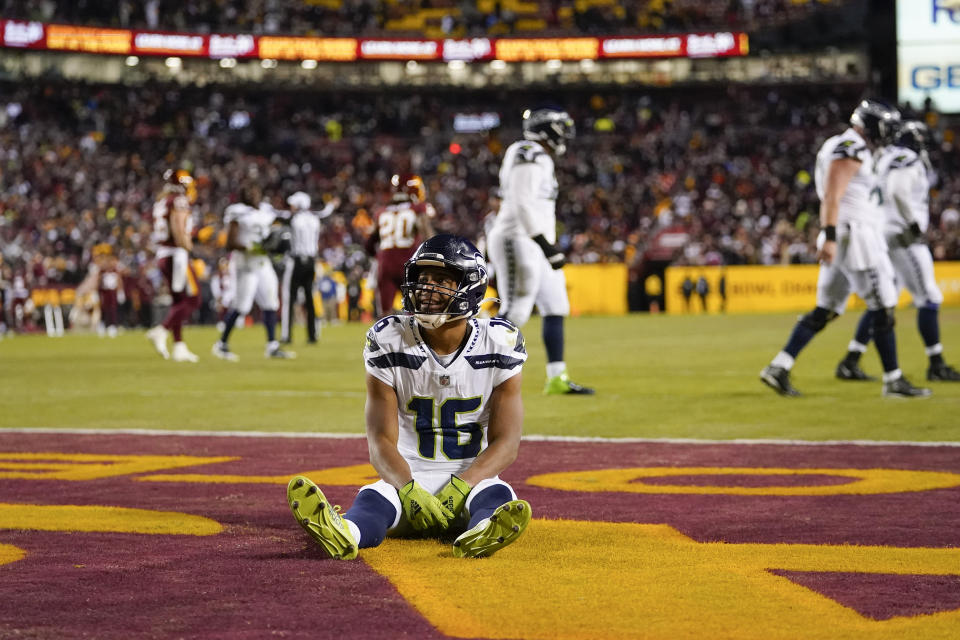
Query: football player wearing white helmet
(851, 249)
(906, 177)
(248, 223)
(522, 240)
(444, 418)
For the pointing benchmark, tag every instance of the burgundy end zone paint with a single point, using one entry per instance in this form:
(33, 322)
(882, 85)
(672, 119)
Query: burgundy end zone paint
(262, 575)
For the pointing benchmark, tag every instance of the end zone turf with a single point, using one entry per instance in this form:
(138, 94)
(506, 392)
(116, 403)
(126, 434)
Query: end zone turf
(695, 552)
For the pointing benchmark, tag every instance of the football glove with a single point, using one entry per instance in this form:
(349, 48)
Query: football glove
(423, 509)
(912, 235)
(454, 495)
(554, 256)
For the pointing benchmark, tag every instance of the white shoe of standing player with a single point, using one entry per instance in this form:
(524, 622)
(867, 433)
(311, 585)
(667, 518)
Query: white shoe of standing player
(182, 354)
(158, 336)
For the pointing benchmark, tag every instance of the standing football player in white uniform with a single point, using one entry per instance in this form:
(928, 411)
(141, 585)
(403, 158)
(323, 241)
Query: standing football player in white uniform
(251, 270)
(905, 177)
(852, 251)
(522, 240)
(444, 418)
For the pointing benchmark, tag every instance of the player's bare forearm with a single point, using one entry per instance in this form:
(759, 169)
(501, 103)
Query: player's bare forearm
(383, 431)
(839, 175)
(233, 235)
(503, 433)
(179, 230)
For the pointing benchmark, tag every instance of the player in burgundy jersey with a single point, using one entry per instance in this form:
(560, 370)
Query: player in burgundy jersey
(399, 228)
(172, 227)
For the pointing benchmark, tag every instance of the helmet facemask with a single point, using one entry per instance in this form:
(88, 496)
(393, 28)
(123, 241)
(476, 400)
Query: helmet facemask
(433, 293)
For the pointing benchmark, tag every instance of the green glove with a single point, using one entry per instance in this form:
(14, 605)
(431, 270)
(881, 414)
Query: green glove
(454, 495)
(423, 510)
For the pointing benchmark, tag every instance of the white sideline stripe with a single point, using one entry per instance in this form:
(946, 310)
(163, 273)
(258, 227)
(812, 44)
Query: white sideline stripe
(530, 438)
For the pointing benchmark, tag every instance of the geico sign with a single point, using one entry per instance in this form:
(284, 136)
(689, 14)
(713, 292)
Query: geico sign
(946, 9)
(935, 76)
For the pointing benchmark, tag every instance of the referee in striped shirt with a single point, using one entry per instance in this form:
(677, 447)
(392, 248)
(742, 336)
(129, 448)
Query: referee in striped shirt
(299, 264)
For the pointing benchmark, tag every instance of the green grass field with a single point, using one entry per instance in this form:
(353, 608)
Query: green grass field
(656, 376)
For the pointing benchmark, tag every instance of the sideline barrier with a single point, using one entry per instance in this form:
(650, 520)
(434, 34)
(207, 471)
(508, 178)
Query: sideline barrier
(758, 289)
(594, 289)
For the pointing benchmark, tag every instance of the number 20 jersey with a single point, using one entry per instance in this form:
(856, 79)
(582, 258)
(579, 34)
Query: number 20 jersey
(443, 410)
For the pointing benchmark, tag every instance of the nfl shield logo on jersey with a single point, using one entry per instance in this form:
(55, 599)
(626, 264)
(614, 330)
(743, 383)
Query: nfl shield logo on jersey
(444, 380)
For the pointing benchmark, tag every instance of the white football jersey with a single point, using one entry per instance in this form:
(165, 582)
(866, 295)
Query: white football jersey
(529, 190)
(444, 409)
(855, 203)
(253, 222)
(904, 189)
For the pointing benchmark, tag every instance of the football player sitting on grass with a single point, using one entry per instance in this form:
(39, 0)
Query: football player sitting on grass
(444, 417)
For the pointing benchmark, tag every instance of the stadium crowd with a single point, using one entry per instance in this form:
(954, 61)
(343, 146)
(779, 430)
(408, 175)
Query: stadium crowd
(453, 18)
(81, 164)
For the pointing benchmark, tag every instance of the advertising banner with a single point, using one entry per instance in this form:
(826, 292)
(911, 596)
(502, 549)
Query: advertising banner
(928, 53)
(758, 289)
(37, 35)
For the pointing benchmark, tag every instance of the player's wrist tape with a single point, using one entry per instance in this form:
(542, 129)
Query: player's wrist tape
(830, 232)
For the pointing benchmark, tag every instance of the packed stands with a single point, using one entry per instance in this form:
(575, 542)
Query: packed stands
(421, 18)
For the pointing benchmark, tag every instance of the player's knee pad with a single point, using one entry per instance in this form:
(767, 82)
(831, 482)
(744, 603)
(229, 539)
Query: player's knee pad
(883, 321)
(817, 319)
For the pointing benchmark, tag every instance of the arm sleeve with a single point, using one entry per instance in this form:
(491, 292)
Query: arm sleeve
(525, 183)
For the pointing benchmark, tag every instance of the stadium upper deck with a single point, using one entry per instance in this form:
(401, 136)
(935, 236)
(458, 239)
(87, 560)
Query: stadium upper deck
(421, 18)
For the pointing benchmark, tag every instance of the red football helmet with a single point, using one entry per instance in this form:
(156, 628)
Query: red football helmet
(409, 185)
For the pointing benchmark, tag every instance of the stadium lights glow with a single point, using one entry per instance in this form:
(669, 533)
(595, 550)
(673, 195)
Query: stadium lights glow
(412, 66)
(132, 61)
(553, 65)
(228, 63)
(498, 65)
(588, 65)
(174, 62)
(456, 65)
(309, 64)
(268, 63)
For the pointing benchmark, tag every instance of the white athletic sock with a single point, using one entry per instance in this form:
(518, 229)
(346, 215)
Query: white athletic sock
(890, 376)
(783, 359)
(354, 530)
(555, 369)
(935, 350)
(856, 346)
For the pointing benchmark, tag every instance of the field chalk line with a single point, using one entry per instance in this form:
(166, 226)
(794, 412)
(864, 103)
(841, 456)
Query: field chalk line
(529, 438)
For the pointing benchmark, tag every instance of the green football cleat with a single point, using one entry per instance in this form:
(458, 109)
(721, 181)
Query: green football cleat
(320, 519)
(506, 524)
(561, 385)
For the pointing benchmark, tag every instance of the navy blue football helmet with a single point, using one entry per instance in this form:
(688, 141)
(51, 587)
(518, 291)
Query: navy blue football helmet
(553, 126)
(469, 269)
(915, 135)
(877, 119)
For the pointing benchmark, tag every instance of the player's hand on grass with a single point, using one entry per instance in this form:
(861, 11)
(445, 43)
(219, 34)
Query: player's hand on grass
(454, 495)
(423, 509)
